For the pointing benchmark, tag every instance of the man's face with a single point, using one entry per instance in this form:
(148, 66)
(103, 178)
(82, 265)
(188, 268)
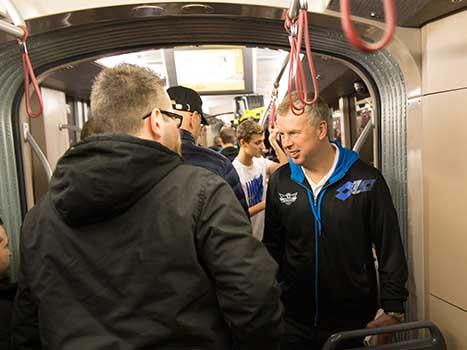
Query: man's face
(255, 147)
(4, 252)
(170, 136)
(299, 138)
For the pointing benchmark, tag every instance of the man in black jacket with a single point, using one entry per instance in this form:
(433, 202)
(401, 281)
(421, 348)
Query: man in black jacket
(132, 249)
(188, 103)
(229, 143)
(324, 212)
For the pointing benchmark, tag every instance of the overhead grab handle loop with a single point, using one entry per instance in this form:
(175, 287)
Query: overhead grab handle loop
(352, 34)
(29, 77)
(298, 28)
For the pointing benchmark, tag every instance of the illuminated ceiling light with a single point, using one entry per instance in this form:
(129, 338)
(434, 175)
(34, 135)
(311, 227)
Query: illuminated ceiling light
(196, 9)
(149, 9)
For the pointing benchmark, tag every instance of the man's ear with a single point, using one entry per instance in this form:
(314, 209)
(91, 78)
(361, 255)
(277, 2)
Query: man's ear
(241, 142)
(195, 118)
(154, 124)
(323, 130)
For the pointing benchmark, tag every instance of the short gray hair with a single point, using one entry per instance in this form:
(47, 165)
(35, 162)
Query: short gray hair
(122, 95)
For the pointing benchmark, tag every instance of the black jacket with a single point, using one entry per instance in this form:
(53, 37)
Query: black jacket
(213, 161)
(7, 295)
(324, 245)
(230, 152)
(131, 249)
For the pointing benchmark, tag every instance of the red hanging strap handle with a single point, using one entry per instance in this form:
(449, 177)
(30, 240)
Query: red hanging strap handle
(352, 35)
(297, 28)
(29, 76)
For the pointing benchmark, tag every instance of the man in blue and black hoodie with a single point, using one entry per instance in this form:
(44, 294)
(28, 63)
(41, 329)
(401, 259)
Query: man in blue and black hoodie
(325, 211)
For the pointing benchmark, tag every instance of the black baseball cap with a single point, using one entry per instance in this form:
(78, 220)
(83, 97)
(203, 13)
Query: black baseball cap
(187, 100)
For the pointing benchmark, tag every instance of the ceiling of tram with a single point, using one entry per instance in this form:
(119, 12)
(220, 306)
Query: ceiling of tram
(410, 13)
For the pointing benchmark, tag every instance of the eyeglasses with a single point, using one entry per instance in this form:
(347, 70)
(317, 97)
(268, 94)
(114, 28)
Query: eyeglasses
(176, 117)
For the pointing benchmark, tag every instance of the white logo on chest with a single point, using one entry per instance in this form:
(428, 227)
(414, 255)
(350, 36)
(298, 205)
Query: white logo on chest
(288, 198)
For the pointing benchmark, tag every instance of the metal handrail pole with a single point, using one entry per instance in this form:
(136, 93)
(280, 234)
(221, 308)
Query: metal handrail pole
(295, 7)
(37, 150)
(11, 29)
(74, 128)
(281, 72)
(435, 342)
(363, 136)
(276, 86)
(13, 12)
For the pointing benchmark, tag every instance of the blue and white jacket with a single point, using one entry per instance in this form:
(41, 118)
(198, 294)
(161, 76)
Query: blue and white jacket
(324, 245)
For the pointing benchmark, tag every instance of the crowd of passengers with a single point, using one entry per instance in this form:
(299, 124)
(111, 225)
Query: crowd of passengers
(147, 240)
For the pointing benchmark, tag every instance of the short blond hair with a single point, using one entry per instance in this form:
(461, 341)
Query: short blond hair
(316, 112)
(121, 96)
(247, 129)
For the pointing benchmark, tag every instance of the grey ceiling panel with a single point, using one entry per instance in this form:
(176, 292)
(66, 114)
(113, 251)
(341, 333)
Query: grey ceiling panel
(75, 81)
(410, 13)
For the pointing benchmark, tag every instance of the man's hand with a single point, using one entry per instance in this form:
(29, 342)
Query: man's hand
(382, 321)
(273, 132)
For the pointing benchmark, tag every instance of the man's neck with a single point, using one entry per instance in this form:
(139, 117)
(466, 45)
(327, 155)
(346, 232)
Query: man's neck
(245, 158)
(225, 145)
(321, 164)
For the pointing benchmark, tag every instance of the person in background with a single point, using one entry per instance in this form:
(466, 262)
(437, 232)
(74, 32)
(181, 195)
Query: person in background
(188, 103)
(7, 290)
(325, 211)
(254, 170)
(217, 147)
(229, 143)
(132, 249)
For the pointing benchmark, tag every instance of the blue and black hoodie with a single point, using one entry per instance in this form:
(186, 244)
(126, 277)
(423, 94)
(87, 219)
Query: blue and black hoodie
(323, 245)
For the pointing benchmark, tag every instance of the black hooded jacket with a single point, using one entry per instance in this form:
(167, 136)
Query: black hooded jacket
(131, 249)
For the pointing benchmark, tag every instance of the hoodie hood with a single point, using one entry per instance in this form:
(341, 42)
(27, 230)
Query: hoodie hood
(346, 159)
(104, 175)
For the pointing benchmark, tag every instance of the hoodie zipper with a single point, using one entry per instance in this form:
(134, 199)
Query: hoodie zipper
(314, 207)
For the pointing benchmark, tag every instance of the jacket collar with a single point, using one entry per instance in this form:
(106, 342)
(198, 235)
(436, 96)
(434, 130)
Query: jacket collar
(187, 137)
(346, 159)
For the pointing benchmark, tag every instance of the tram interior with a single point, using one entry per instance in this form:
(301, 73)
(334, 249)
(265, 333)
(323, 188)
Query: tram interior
(433, 64)
(67, 88)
